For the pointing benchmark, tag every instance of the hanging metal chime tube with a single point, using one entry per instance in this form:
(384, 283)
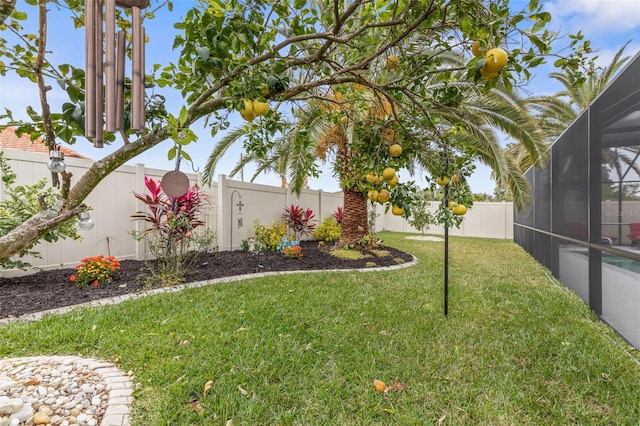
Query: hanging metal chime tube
(90, 69)
(120, 58)
(99, 89)
(137, 73)
(110, 66)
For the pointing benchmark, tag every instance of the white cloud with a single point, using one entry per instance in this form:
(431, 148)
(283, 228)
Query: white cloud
(595, 16)
(605, 56)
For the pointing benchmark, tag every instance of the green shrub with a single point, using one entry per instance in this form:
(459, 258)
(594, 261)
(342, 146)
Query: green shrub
(329, 230)
(19, 203)
(269, 236)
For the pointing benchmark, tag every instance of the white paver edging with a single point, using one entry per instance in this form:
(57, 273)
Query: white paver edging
(117, 384)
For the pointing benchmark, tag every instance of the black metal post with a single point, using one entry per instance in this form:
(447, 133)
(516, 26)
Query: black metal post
(446, 255)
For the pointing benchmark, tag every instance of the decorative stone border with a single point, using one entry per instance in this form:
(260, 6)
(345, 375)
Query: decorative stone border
(119, 299)
(117, 384)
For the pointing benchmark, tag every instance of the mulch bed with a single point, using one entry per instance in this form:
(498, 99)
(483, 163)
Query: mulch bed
(52, 289)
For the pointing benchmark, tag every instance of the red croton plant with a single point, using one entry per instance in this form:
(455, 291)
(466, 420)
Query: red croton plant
(299, 220)
(171, 218)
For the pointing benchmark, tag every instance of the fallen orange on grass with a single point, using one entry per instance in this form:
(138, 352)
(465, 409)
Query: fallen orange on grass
(379, 385)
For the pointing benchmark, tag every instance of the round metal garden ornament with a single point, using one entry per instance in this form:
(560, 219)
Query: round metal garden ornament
(175, 184)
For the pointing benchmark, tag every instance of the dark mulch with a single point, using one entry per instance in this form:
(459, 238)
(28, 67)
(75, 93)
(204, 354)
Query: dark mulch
(52, 289)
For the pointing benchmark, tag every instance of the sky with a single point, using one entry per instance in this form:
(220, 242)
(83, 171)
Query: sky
(609, 24)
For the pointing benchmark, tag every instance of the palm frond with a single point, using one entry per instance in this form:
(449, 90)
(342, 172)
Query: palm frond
(219, 150)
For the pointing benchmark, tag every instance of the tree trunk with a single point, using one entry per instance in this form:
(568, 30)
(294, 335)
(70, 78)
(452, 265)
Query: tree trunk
(354, 215)
(22, 236)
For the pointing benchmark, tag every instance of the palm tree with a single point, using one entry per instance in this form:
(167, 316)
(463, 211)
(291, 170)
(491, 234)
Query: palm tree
(277, 165)
(556, 112)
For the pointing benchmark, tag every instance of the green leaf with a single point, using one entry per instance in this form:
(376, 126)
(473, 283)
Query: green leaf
(19, 16)
(172, 153)
(184, 114)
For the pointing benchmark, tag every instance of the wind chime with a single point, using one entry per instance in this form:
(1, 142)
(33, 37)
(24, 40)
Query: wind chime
(105, 68)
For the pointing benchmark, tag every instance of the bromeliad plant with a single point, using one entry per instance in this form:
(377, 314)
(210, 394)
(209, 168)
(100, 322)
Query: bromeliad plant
(299, 221)
(171, 235)
(95, 271)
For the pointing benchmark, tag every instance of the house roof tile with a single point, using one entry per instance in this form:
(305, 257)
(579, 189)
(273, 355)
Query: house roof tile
(9, 140)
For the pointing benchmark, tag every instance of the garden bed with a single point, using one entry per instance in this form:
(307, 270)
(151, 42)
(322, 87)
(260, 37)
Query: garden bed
(53, 289)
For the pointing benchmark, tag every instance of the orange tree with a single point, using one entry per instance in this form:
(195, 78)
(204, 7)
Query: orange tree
(273, 50)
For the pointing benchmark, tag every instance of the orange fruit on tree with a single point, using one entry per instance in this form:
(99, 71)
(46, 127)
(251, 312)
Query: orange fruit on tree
(476, 49)
(379, 386)
(452, 204)
(442, 180)
(397, 210)
(373, 178)
(488, 75)
(373, 195)
(395, 150)
(383, 196)
(248, 115)
(496, 59)
(456, 179)
(247, 112)
(248, 106)
(393, 181)
(260, 108)
(392, 62)
(388, 173)
(459, 209)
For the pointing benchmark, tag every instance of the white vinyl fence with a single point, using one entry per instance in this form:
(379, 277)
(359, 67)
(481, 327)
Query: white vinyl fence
(484, 220)
(232, 209)
(112, 203)
(240, 204)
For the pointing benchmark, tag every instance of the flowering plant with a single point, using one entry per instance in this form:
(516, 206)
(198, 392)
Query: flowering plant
(95, 271)
(170, 218)
(299, 220)
(292, 252)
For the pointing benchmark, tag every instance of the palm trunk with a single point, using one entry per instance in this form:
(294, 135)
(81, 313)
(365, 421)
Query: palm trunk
(354, 216)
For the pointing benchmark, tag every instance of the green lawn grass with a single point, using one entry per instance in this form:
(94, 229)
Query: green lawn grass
(305, 348)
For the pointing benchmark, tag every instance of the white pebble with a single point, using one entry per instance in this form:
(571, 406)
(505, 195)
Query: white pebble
(25, 413)
(86, 388)
(10, 405)
(69, 405)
